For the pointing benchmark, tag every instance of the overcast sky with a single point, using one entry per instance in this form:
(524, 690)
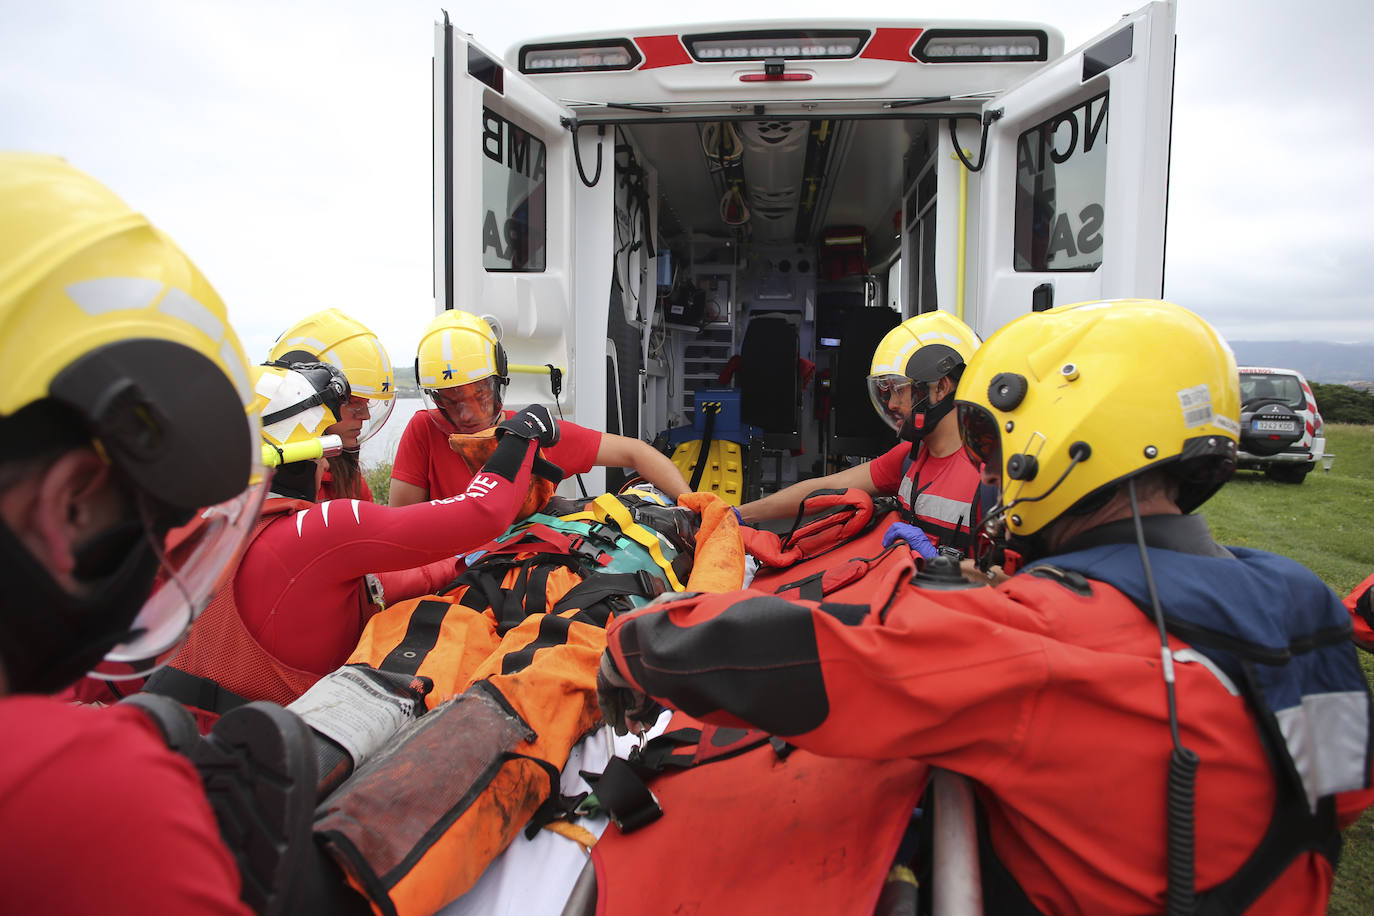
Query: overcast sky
(286, 145)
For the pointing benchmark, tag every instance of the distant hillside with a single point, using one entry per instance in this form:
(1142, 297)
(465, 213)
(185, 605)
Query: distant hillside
(1331, 363)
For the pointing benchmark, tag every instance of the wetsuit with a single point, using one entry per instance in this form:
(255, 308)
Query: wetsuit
(424, 459)
(97, 815)
(1046, 692)
(300, 597)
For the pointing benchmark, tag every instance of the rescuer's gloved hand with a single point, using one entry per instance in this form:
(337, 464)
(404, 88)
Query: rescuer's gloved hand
(534, 422)
(623, 707)
(913, 537)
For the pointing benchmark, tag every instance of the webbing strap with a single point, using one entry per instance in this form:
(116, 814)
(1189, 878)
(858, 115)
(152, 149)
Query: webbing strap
(422, 633)
(606, 506)
(586, 594)
(193, 690)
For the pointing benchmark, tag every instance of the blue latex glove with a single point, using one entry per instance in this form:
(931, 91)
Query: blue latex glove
(913, 537)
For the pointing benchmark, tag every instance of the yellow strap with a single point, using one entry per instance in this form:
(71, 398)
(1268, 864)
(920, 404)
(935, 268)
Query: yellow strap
(575, 832)
(607, 506)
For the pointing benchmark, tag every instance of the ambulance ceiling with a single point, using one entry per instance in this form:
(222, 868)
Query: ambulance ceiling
(862, 183)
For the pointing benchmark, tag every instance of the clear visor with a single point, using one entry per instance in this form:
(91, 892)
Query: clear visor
(469, 408)
(378, 411)
(195, 557)
(982, 439)
(892, 398)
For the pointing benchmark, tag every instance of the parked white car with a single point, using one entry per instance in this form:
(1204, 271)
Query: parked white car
(1280, 425)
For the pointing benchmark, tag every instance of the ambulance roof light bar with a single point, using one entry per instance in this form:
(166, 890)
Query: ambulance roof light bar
(950, 46)
(789, 44)
(580, 57)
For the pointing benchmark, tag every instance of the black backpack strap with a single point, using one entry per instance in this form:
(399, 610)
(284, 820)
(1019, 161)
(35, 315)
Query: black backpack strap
(193, 690)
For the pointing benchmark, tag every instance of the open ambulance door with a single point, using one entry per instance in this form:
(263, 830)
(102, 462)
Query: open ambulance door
(1074, 183)
(516, 209)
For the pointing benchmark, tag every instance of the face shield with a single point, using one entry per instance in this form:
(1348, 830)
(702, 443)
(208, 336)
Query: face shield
(468, 408)
(374, 411)
(892, 397)
(194, 559)
(362, 417)
(982, 439)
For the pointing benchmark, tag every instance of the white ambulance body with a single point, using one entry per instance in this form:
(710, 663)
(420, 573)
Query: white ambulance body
(622, 205)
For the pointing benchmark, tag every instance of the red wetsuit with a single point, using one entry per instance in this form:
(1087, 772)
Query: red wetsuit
(1049, 697)
(327, 491)
(940, 492)
(424, 459)
(300, 585)
(1362, 613)
(98, 816)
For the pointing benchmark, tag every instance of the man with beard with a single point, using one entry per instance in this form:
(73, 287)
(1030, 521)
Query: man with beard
(915, 372)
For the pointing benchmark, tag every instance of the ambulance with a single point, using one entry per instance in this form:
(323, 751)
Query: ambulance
(660, 219)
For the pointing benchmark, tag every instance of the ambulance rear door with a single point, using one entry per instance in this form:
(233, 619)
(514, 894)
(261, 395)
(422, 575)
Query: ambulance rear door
(1074, 184)
(516, 210)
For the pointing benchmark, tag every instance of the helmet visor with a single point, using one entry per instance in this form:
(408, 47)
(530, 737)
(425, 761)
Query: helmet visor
(378, 411)
(893, 396)
(195, 558)
(469, 408)
(982, 439)
(362, 419)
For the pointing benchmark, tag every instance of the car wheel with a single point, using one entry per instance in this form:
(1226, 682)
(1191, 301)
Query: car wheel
(1288, 473)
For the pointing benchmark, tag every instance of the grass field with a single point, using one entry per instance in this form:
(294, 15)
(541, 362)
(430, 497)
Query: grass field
(1327, 524)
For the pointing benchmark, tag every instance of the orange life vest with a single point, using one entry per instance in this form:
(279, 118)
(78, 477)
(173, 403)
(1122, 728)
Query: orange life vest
(221, 665)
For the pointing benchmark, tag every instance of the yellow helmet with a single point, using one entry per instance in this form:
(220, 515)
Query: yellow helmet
(459, 348)
(925, 348)
(332, 337)
(1066, 402)
(102, 313)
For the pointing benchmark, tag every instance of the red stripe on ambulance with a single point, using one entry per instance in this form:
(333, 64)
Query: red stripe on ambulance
(892, 44)
(662, 51)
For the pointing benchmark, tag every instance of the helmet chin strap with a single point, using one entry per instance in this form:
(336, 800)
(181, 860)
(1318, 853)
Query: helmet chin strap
(924, 417)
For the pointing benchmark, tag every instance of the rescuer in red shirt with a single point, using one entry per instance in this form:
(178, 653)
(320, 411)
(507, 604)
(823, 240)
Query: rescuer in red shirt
(313, 574)
(916, 369)
(123, 416)
(462, 368)
(1118, 769)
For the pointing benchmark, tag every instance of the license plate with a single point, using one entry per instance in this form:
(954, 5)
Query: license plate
(1272, 426)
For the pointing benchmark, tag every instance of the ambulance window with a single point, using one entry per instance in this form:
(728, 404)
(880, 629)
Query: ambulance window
(514, 196)
(1061, 183)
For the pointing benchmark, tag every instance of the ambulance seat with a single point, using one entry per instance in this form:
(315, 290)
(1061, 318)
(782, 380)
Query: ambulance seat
(770, 390)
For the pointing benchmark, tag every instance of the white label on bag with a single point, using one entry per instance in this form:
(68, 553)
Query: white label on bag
(350, 708)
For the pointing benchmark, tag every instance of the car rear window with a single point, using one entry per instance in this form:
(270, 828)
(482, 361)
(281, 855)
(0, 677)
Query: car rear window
(1286, 388)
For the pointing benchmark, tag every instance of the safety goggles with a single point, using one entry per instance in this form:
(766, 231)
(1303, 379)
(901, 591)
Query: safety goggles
(980, 434)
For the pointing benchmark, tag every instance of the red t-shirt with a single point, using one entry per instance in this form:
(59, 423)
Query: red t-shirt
(886, 469)
(97, 815)
(424, 459)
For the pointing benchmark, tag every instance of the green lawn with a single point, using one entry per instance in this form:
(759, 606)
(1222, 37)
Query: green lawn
(1327, 524)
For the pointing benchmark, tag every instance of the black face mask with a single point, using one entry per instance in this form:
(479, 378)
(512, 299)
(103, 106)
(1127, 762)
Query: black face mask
(924, 417)
(49, 638)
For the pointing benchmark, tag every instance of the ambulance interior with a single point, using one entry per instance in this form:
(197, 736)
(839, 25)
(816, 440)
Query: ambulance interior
(778, 259)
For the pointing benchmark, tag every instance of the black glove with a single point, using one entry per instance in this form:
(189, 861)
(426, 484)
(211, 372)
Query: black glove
(534, 422)
(623, 707)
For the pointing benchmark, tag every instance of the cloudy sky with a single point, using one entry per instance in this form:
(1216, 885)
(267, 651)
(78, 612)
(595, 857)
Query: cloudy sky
(286, 145)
